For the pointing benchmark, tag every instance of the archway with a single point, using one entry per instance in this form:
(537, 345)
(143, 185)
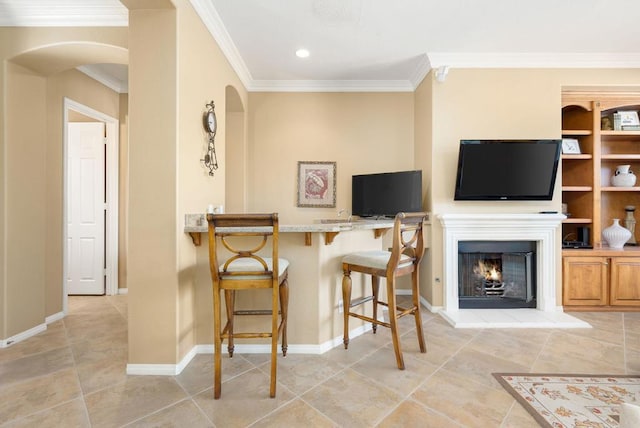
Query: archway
(56, 65)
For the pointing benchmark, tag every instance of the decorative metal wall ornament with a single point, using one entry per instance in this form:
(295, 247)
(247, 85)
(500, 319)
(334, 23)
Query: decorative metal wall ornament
(210, 125)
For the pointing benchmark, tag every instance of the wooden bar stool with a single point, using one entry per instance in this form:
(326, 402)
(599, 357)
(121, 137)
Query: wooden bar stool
(242, 268)
(403, 259)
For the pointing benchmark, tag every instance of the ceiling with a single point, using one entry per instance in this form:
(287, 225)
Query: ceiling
(358, 45)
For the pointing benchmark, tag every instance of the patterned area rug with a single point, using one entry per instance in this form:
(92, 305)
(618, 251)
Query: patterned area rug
(559, 401)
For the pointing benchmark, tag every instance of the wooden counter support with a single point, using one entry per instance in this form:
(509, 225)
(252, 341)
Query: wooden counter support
(196, 237)
(377, 233)
(329, 236)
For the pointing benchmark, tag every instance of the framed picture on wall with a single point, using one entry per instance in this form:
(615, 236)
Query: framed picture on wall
(316, 184)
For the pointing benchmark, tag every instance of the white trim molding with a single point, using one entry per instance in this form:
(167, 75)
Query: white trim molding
(23, 336)
(176, 369)
(533, 60)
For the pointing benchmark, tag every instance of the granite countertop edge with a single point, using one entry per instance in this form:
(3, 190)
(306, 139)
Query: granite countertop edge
(197, 223)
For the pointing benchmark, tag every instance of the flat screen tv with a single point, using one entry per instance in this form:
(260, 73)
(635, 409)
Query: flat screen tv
(386, 194)
(507, 170)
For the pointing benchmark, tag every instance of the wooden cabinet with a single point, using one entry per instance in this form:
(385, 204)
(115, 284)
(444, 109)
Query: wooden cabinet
(585, 281)
(601, 279)
(625, 281)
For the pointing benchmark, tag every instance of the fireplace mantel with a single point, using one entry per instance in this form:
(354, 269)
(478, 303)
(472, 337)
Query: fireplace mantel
(541, 228)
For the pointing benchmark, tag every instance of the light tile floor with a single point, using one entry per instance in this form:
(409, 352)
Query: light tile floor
(73, 375)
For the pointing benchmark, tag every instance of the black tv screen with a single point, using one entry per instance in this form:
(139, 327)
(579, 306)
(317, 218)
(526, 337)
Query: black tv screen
(386, 194)
(507, 169)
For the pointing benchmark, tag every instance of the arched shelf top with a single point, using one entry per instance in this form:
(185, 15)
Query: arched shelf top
(574, 104)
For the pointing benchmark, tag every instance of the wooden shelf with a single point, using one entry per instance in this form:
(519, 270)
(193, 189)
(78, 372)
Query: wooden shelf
(572, 220)
(620, 133)
(576, 132)
(577, 157)
(577, 188)
(620, 189)
(622, 156)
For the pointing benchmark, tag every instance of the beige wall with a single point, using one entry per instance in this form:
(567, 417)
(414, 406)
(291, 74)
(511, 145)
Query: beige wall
(26, 216)
(424, 156)
(361, 132)
(212, 79)
(123, 190)
(167, 180)
(152, 273)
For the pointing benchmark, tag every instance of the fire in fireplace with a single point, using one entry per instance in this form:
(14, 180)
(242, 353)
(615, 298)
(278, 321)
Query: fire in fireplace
(496, 274)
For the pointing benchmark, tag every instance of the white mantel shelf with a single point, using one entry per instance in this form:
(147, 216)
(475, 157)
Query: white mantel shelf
(537, 227)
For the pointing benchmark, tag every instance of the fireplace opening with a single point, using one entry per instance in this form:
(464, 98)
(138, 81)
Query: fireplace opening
(496, 274)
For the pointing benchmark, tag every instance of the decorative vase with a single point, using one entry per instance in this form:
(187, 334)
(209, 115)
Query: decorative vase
(630, 223)
(623, 177)
(616, 235)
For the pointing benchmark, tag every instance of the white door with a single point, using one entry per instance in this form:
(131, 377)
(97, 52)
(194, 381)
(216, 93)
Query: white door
(86, 209)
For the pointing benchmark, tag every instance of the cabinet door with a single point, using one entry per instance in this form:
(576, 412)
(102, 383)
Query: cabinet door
(625, 281)
(585, 281)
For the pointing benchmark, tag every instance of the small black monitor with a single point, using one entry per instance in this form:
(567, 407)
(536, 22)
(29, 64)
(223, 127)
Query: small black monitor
(386, 194)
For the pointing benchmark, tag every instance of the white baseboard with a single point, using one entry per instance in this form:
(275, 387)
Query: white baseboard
(123, 291)
(4, 343)
(425, 303)
(176, 369)
(53, 318)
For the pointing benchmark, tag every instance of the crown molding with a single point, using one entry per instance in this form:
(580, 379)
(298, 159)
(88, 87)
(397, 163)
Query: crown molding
(331, 86)
(214, 24)
(106, 79)
(534, 60)
(66, 13)
(422, 69)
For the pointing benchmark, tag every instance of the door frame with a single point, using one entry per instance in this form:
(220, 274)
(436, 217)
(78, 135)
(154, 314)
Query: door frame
(111, 181)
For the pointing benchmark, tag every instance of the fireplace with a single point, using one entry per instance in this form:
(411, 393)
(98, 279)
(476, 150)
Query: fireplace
(539, 228)
(496, 274)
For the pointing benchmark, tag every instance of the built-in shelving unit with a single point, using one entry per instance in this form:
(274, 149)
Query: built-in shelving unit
(593, 202)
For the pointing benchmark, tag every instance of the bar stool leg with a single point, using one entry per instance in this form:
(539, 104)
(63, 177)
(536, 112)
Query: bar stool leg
(274, 340)
(375, 285)
(217, 345)
(230, 300)
(346, 303)
(393, 320)
(284, 313)
(416, 311)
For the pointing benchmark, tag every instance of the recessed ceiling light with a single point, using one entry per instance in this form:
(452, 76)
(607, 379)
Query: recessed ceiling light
(302, 53)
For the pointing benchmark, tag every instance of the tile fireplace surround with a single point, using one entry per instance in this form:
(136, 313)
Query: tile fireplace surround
(540, 228)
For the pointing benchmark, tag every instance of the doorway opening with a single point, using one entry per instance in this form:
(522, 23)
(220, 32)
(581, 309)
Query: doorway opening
(110, 230)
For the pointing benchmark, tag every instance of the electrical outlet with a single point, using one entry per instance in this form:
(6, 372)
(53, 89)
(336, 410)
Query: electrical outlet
(340, 307)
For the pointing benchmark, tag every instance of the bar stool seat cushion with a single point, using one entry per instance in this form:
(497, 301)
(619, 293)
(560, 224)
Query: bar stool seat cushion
(250, 265)
(376, 259)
